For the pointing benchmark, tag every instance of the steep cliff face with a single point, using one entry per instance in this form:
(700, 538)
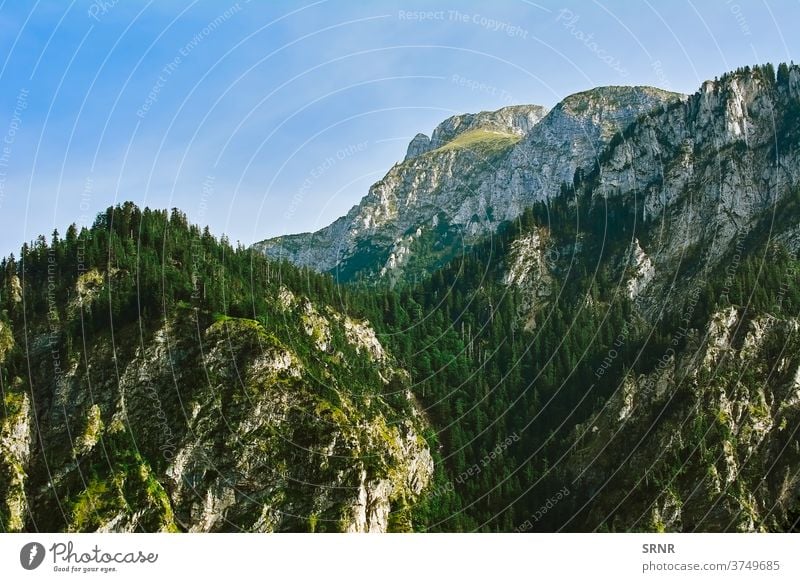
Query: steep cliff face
(707, 441)
(15, 442)
(708, 176)
(711, 171)
(528, 271)
(700, 428)
(15, 452)
(215, 426)
(476, 171)
(575, 133)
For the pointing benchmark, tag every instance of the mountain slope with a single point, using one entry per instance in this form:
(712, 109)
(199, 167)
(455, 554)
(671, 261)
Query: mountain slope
(621, 354)
(476, 172)
(129, 405)
(657, 380)
(707, 441)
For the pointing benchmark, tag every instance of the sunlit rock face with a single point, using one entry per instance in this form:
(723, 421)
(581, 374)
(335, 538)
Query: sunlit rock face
(476, 171)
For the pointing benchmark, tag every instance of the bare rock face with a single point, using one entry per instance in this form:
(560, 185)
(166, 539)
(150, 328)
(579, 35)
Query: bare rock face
(475, 172)
(418, 146)
(6, 340)
(15, 444)
(529, 272)
(233, 429)
(709, 168)
(16, 289)
(575, 133)
(15, 452)
(372, 510)
(735, 432)
(641, 270)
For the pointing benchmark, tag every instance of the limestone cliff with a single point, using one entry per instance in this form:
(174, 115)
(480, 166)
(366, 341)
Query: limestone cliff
(475, 172)
(707, 442)
(215, 426)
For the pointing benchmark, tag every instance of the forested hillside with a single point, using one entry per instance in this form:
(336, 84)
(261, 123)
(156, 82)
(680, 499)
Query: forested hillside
(155, 378)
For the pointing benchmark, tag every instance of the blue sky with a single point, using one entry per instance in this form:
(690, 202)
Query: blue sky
(264, 118)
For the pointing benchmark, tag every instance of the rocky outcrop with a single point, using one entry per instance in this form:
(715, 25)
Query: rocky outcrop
(373, 510)
(574, 134)
(528, 271)
(418, 146)
(217, 427)
(15, 442)
(699, 436)
(15, 451)
(6, 340)
(16, 289)
(710, 169)
(641, 270)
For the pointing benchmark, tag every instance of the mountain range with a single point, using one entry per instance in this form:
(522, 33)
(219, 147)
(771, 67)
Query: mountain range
(474, 173)
(581, 319)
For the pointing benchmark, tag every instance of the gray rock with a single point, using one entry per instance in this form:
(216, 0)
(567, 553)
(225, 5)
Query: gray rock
(478, 171)
(418, 146)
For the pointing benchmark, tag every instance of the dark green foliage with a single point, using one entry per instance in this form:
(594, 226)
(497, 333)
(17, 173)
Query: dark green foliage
(482, 379)
(100, 295)
(149, 262)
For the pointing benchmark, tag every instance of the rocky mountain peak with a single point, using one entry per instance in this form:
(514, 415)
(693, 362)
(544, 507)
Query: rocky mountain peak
(613, 98)
(476, 171)
(610, 109)
(418, 146)
(514, 119)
